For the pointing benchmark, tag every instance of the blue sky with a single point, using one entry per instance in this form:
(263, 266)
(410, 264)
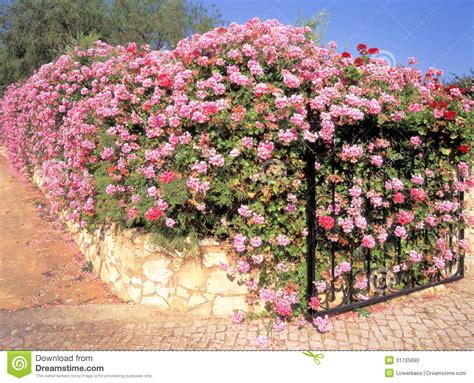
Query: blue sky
(438, 33)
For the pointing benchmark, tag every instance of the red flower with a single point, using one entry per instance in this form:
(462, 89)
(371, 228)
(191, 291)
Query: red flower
(358, 61)
(405, 217)
(153, 214)
(346, 55)
(361, 47)
(111, 170)
(398, 198)
(283, 308)
(464, 149)
(132, 47)
(209, 108)
(326, 222)
(433, 104)
(449, 115)
(442, 104)
(146, 106)
(165, 80)
(314, 303)
(167, 177)
(418, 194)
(373, 51)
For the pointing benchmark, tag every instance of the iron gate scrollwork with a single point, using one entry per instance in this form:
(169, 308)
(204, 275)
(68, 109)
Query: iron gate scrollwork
(371, 278)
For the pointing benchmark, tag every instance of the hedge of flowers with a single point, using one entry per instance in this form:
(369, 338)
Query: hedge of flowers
(209, 140)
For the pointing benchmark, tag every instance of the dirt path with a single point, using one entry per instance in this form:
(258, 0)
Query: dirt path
(39, 263)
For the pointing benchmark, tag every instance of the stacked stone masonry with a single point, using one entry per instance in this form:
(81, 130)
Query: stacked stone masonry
(141, 272)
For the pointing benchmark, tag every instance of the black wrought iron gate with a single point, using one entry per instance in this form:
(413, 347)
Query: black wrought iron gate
(341, 293)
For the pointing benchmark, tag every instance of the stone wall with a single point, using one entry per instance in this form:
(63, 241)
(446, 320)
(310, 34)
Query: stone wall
(139, 271)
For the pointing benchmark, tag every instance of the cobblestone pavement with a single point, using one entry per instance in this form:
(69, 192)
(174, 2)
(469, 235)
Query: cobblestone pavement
(441, 320)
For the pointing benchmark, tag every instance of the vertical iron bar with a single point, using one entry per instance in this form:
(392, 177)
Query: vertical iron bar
(333, 215)
(461, 237)
(449, 265)
(351, 244)
(399, 257)
(413, 237)
(351, 275)
(398, 239)
(384, 247)
(310, 209)
(461, 231)
(369, 219)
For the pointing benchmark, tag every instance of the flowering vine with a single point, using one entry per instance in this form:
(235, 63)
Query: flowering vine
(209, 140)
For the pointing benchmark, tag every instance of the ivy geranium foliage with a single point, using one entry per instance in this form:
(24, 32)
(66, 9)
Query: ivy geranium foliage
(210, 139)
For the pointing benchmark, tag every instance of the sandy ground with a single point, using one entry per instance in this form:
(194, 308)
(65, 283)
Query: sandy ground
(40, 265)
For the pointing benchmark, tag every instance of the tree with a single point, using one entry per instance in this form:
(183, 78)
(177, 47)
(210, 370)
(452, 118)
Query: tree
(35, 32)
(160, 23)
(317, 23)
(465, 81)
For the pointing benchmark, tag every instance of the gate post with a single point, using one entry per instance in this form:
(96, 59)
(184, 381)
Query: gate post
(310, 158)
